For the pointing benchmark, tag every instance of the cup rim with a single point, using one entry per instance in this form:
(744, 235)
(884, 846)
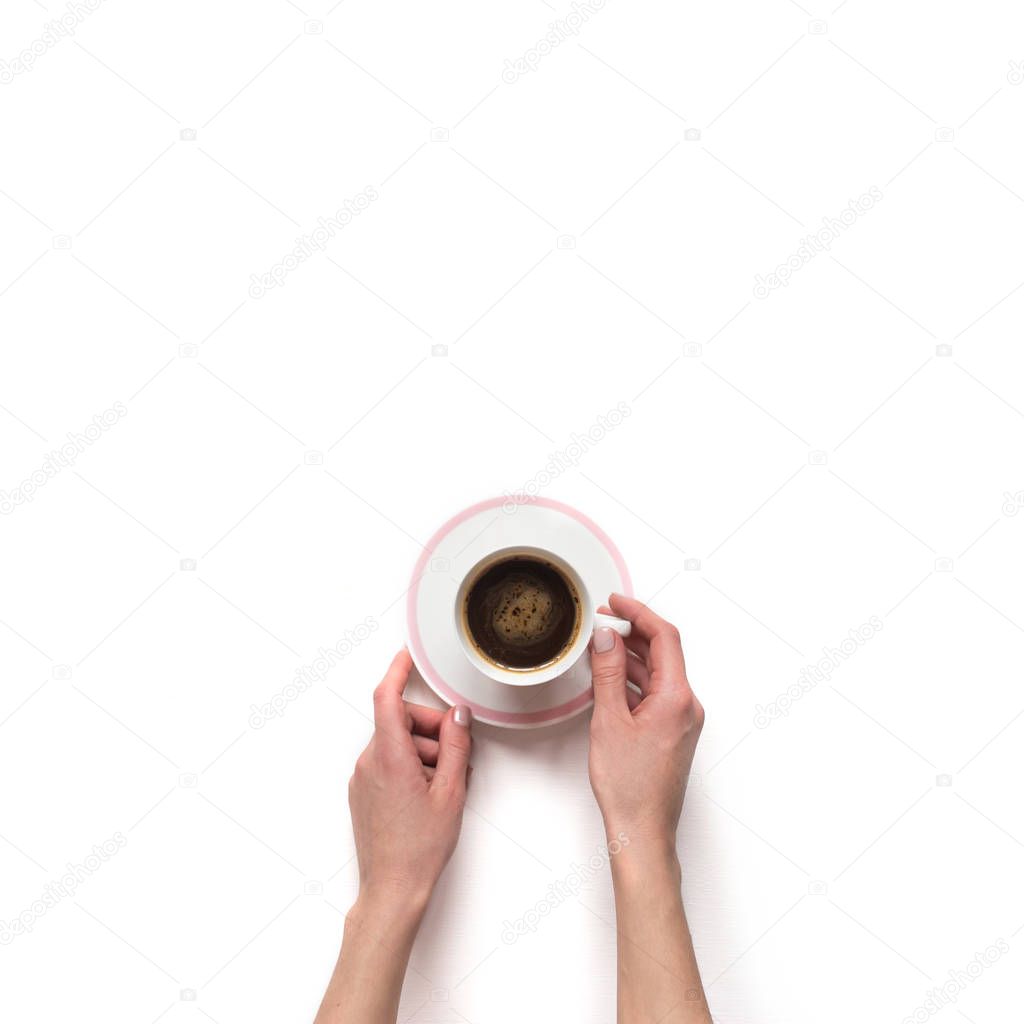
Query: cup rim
(543, 673)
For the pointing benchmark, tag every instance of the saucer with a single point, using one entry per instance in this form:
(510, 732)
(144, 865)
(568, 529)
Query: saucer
(430, 607)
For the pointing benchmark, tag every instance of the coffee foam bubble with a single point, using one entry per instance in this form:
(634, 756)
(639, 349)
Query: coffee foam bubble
(524, 612)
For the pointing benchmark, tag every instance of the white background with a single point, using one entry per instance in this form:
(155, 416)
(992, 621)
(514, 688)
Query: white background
(127, 681)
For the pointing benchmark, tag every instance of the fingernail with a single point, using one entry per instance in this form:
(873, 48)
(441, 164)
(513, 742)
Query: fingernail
(604, 640)
(463, 716)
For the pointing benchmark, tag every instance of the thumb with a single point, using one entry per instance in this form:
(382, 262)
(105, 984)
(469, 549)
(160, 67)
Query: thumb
(455, 744)
(608, 668)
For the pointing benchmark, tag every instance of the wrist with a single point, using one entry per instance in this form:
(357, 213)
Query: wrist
(644, 858)
(651, 838)
(380, 930)
(391, 907)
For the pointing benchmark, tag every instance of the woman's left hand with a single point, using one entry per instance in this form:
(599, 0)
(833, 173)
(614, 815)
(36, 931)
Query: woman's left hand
(408, 792)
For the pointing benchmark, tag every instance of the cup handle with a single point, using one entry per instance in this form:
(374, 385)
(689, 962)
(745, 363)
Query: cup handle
(621, 626)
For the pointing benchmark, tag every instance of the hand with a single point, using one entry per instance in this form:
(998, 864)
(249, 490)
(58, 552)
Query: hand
(641, 749)
(406, 798)
(641, 746)
(407, 793)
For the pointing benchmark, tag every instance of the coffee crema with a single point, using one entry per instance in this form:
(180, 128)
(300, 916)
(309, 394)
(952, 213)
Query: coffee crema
(522, 613)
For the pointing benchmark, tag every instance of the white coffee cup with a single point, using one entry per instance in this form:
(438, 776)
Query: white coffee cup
(589, 620)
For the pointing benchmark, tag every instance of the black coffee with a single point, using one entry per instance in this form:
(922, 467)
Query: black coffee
(522, 613)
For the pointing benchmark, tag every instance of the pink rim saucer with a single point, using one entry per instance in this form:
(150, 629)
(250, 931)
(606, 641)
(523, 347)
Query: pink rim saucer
(448, 688)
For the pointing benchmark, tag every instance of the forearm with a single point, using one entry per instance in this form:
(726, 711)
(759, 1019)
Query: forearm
(366, 985)
(658, 975)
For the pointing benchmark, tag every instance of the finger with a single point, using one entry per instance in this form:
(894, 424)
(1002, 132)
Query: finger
(429, 773)
(388, 708)
(454, 748)
(636, 673)
(608, 669)
(422, 720)
(427, 749)
(639, 646)
(665, 658)
(646, 623)
(604, 610)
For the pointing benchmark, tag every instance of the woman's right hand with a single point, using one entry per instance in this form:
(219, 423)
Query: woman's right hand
(641, 747)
